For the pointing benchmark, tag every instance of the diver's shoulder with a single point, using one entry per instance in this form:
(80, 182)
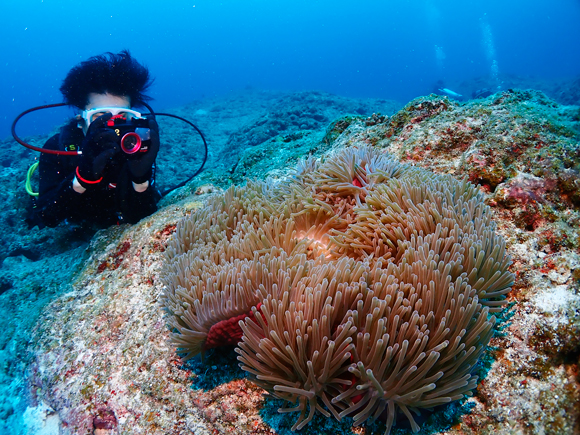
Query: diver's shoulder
(52, 143)
(69, 134)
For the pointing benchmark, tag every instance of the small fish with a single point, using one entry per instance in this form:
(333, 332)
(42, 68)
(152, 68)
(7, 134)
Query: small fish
(450, 93)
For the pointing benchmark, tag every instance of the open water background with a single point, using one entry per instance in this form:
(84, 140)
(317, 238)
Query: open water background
(202, 48)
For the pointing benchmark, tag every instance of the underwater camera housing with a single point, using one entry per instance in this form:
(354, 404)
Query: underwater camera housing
(138, 126)
(134, 134)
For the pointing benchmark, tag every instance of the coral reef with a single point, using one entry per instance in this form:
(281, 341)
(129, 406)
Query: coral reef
(252, 131)
(100, 345)
(369, 284)
(565, 91)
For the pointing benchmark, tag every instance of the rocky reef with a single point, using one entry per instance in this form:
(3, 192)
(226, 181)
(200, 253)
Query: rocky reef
(358, 286)
(99, 355)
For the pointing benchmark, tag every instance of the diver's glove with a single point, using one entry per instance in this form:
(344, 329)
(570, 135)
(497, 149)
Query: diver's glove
(141, 163)
(98, 148)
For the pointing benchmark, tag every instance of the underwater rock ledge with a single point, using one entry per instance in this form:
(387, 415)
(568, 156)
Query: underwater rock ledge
(102, 355)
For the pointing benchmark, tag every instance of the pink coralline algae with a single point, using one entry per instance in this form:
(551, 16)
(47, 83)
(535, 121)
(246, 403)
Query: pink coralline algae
(105, 419)
(524, 190)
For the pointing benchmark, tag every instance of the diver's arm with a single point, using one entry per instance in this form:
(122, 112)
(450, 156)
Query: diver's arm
(134, 204)
(56, 193)
(143, 203)
(141, 168)
(137, 205)
(140, 199)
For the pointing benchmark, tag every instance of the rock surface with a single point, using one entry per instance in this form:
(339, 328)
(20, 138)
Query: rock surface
(100, 358)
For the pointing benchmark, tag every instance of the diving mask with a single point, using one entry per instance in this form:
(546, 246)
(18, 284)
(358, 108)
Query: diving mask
(117, 112)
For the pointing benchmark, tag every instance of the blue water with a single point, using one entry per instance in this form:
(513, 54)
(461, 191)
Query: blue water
(202, 48)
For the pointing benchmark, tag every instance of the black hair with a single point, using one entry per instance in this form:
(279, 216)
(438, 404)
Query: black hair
(117, 74)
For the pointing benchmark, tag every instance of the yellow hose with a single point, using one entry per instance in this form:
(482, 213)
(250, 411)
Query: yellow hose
(28, 177)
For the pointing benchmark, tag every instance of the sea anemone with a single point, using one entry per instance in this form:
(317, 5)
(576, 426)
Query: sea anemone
(361, 287)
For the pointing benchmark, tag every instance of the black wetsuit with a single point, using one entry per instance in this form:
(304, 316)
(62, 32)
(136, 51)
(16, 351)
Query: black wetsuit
(113, 200)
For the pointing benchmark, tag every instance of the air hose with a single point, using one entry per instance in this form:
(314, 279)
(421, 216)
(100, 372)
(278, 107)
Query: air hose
(76, 153)
(29, 177)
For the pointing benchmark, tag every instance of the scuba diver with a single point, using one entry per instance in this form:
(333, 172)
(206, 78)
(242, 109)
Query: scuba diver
(110, 178)
(481, 93)
(440, 89)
